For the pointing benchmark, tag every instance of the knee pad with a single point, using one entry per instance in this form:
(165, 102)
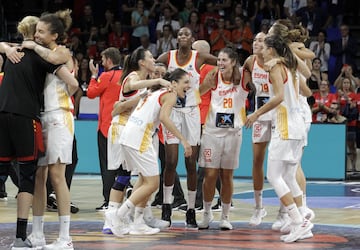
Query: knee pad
(290, 179)
(121, 182)
(27, 177)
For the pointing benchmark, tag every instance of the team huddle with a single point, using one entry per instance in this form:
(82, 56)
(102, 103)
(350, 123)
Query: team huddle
(152, 106)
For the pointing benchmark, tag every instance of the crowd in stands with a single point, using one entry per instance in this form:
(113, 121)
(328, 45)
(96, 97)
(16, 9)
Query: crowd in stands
(153, 25)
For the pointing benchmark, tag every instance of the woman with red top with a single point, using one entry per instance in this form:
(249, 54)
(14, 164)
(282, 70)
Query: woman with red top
(348, 106)
(242, 35)
(323, 101)
(119, 38)
(220, 37)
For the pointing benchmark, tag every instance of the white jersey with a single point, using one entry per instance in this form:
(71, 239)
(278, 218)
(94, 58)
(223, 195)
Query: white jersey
(192, 95)
(227, 108)
(138, 131)
(56, 94)
(123, 117)
(260, 78)
(288, 121)
(305, 108)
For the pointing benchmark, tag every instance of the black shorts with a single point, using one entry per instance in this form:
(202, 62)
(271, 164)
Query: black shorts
(20, 138)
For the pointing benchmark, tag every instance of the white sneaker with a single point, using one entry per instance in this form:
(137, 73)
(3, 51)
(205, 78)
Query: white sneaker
(207, 218)
(287, 225)
(306, 235)
(106, 227)
(298, 231)
(309, 214)
(37, 241)
(142, 229)
(280, 221)
(258, 215)
(156, 223)
(60, 244)
(118, 226)
(225, 225)
(20, 244)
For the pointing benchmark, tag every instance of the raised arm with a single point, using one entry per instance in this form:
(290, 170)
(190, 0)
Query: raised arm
(209, 82)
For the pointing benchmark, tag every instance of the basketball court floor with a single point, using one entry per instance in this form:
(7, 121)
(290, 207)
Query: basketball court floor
(336, 226)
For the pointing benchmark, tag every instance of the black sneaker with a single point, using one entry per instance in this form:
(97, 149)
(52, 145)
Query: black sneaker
(73, 208)
(156, 203)
(166, 212)
(190, 219)
(176, 204)
(217, 206)
(3, 194)
(103, 207)
(51, 203)
(182, 208)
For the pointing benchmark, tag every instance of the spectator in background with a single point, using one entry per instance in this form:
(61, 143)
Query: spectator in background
(194, 24)
(348, 108)
(108, 89)
(167, 42)
(291, 6)
(86, 22)
(344, 50)
(108, 25)
(84, 74)
(146, 44)
(347, 71)
(321, 48)
(269, 11)
(336, 117)
(167, 19)
(139, 23)
(316, 75)
(236, 11)
(323, 99)
(127, 7)
(250, 10)
(311, 17)
(209, 18)
(220, 37)
(222, 7)
(119, 38)
(76, 45)
(184, 15)
(241, 37)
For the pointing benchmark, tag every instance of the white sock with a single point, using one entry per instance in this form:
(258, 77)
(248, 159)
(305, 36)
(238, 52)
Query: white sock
(258, 198)
(304, 200)
(38, 225)
(139, 215)
(64, 232)
(113, 205)
(168, 197)
(191, 199)
(282, 208)
(294, 213)
(225, 209)
(125, 209)
(148, 215)
(207, 206)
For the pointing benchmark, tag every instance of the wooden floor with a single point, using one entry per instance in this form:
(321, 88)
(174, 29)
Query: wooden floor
(337, 222)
